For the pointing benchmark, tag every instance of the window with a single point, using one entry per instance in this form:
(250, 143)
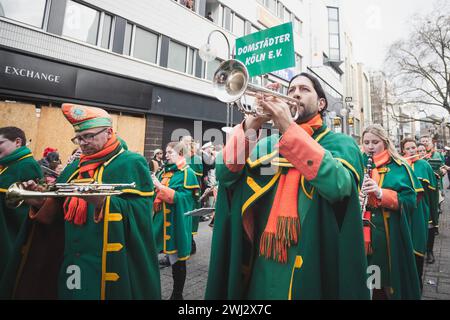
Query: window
(238, 26)
(211, 68)
(333, 32)
(280, 11)
(226, 18)
(297, 25)
(272, 6)
(106, 31)
(298, 63)
(286, 15)
(177, 56)
(127, 39)
(31, 12)
(81, 22)
(191, 61)
(145, 45)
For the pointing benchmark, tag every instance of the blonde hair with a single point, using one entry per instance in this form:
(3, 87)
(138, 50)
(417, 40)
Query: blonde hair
(379, 131)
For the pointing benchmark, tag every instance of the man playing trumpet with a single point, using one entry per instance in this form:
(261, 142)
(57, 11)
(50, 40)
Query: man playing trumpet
(288, 222)
(97, 247)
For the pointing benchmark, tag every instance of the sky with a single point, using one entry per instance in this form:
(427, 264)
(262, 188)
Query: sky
(375, 24)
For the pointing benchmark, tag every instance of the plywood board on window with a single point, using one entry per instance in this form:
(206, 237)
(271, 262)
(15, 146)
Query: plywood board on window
(55, 131)
(23, 116)
(132, 130)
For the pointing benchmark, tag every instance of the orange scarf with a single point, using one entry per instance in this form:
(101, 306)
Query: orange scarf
(413, 159)
(75, 209)
(379, 160)
(165, 180)
(283, 226)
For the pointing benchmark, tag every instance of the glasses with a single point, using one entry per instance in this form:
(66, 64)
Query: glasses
(88, 137)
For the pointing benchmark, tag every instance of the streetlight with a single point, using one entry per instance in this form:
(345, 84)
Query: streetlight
(208, 53)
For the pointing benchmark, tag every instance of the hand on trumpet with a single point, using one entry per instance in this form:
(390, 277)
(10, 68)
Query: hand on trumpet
(279, 110)
(32, 185)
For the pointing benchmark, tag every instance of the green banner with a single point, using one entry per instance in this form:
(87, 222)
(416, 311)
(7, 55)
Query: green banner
(267, 50)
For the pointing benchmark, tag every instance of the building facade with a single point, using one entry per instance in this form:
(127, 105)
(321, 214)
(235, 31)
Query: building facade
(139, 60)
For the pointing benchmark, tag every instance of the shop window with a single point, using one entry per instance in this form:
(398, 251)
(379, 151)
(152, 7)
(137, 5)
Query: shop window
(145, 45)
(31, 12)
(191, 61)
(81, 22)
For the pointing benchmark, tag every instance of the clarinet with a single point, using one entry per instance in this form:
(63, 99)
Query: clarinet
(366, 215)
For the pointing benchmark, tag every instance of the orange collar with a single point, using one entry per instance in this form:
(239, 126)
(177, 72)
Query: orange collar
(312, 125)
(382, 158)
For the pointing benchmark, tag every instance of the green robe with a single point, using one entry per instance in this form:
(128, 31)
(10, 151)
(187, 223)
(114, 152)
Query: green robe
(196, 164)
(116, 257)
(329, 260)
(171, 226)
(392, 245)
(427, 206)
(19, 166)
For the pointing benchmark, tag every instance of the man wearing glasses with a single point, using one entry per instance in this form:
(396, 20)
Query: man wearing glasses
(109, 250)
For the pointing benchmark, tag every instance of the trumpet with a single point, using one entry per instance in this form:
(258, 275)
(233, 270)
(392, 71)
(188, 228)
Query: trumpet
(231, 84)
(16, 194)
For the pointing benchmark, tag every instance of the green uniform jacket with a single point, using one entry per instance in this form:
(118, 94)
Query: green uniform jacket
(17, 167)
(329, 260)
(172, 228)
(392, 244)
(116, 257)
(427, 206)
(196, 165)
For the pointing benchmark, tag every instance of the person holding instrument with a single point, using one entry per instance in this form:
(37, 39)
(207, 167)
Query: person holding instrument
(95, 247)
(16, 164)
(426, 211)
(392, 201)
(288, 220)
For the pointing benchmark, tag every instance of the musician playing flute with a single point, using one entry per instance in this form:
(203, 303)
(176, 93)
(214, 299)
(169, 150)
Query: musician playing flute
(288, 222)
(427, 206)
(177, 193)
(392, 191)
(16, 164)
(106, 248)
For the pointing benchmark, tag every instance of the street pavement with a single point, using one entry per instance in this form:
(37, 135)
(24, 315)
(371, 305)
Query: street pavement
(436, 276)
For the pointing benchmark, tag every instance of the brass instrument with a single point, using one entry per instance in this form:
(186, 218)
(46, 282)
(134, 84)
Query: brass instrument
(16, 194)
(231, 84)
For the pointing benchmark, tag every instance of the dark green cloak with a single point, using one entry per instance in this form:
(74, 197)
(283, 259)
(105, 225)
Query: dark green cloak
(196, 164)
(392, 244)
(19, 166)
(172, 227)
(116, 257)
(329, 260)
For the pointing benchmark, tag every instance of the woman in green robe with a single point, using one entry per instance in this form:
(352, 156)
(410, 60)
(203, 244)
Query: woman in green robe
(392, 201)
(433, 201)
(428, 201)
(177, 192)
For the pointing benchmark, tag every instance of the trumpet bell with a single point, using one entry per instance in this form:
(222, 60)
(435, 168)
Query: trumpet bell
(230, 81)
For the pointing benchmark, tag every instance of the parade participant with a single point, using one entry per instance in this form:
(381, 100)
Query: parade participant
(16, 164)
(156, 163)
(288, 222)
(108, 249)
(177, 193)
(195, 162)
(392, 201)
(434, 210)
(427, 205)
(437, 162)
